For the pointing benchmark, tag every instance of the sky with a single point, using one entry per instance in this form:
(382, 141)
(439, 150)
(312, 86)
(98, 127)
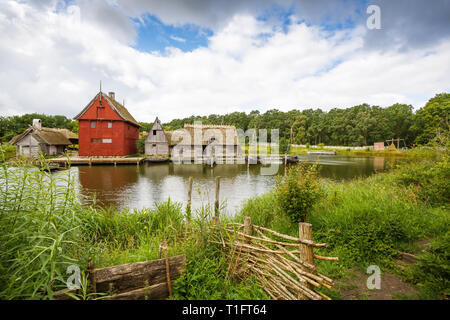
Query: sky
(178, 58)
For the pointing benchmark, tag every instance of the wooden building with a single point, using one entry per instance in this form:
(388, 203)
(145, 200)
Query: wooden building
(37, 139)
(156, 143)
(106, 128)
(193, 141)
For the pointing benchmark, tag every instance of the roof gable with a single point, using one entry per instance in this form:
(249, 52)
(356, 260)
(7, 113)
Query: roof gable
(119, 109)
(49, 136)
(157, 125)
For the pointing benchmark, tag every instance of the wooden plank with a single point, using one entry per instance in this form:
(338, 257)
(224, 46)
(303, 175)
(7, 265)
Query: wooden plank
(155, 292)
(133, 276)
(62, 294)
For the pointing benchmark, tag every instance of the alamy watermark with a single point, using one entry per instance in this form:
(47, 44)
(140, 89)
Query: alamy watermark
(74, 280)
(200, 143)
(374, 280)
(374, 20)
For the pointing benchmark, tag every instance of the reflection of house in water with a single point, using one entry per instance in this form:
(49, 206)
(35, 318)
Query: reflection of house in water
(200, 171)
(378, 163)
(107, 181)
(156, 171)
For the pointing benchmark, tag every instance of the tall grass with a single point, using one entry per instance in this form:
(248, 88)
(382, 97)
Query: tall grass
(44, 228)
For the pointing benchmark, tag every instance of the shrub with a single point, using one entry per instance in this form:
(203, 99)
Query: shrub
(431, 179)
(432, 272)
(298, 191)
(140, 144)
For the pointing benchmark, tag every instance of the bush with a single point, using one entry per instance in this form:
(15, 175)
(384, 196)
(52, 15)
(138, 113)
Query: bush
(7, 151)
(140, 144)
(431, 179)
(298, 191)
(432, 272)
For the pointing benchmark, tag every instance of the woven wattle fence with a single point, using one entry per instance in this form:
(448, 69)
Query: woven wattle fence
(284, 265)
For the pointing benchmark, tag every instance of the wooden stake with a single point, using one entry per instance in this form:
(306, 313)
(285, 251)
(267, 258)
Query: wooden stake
(306, 252)
(188, 207)
(285, 164)
(92, 277)
(216, 204)
(248, 228)
(169, 284)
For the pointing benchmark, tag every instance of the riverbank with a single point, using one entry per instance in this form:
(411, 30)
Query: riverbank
(44, 228)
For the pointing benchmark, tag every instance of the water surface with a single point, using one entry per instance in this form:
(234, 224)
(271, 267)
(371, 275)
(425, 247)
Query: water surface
(131, 186)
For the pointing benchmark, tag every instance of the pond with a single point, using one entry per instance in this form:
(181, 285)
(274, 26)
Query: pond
(136, 187)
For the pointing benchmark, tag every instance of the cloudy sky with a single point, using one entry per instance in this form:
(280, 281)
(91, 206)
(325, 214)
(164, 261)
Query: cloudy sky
(196, 57)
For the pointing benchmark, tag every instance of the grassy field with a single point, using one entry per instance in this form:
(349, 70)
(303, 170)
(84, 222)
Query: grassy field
(44, 229)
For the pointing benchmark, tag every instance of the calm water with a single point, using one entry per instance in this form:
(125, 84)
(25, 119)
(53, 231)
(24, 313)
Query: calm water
(137, 187)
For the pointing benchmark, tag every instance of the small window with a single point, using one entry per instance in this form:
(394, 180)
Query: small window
(154, 145)
(154, 132)
(95, 140)
(109, 125)
(107, 140)
(92, 124)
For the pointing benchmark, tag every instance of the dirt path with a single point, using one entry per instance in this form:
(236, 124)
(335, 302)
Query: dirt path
(392, 288)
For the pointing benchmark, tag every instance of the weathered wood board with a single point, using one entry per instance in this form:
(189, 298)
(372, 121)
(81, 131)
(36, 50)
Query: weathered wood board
(131, 276)
(135, 281)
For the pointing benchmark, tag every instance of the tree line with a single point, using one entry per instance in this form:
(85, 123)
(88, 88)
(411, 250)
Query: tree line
(356, 126)
(360, 125)
(14, 125)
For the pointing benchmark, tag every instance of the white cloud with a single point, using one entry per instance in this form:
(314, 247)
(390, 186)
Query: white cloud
(177, 39)
(52, 62)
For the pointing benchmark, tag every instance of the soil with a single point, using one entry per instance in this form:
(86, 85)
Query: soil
(392, 288)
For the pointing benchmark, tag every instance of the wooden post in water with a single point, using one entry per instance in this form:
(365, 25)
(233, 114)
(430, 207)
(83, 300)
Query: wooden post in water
(216, 203)
(285, 164)
(306, 251)
(188, 207)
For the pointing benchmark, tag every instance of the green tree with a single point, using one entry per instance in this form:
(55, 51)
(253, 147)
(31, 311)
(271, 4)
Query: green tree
(432, 120)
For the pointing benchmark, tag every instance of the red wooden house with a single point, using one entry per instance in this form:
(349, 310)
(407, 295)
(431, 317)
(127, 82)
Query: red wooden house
(106, 128)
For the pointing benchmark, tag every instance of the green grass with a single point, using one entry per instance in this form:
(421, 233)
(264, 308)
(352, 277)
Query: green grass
(368, 221)
(44, 229)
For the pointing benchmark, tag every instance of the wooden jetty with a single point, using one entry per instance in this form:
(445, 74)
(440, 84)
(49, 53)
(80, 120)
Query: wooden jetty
(96, 160)
(327, 153)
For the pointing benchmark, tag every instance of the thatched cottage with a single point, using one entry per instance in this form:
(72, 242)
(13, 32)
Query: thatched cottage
(193, 140)
(37, 139)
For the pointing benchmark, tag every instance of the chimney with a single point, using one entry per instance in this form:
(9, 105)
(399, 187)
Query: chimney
(37, 124)
(112, 95)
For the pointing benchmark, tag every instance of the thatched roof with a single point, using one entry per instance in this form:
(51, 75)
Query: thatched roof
(223, 135)
(50, 136)
(120, 109)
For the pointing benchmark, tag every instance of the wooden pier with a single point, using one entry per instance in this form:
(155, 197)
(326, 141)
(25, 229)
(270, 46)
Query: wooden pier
(96, 160)
(209, 161)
